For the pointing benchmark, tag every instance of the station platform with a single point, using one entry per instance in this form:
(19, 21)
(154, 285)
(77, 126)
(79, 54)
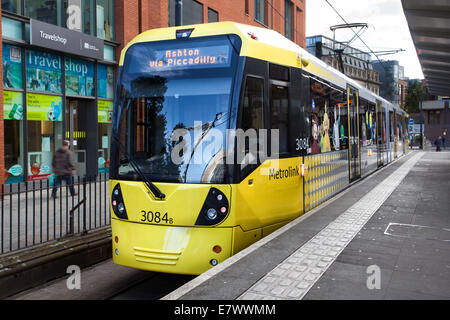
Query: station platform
(385, 237)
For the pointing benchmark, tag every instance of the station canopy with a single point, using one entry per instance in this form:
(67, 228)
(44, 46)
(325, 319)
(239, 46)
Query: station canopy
(429, 24)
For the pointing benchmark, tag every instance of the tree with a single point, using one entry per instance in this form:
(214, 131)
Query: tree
(416, 92)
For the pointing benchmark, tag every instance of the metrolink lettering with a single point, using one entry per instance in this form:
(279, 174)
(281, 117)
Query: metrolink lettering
(283, 173)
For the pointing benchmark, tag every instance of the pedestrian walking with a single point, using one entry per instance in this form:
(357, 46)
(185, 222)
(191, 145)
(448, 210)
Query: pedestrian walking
(444, 138)
(438, 143)
(63, 168)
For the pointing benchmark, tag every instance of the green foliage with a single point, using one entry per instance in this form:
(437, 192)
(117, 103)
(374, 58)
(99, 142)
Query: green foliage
(416, 92)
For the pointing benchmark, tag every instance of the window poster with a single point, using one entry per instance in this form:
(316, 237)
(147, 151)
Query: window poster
(105, 82)
(43, 71)
(42, 107)
(105, 111)
(12, 105)
(79, 77)
(12, 67)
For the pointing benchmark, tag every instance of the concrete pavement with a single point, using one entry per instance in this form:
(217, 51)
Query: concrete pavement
(386, 237)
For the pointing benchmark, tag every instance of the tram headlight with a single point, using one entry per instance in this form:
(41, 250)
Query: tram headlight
(211, 214)
(214, 210)
(117, 203)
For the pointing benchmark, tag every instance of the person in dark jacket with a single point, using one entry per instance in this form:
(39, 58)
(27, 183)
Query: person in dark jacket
(63, 168)
(438, 143)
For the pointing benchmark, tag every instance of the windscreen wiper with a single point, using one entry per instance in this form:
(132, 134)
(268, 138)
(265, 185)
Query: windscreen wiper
(128, 160)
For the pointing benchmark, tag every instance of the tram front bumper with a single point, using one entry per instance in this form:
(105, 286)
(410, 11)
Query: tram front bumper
(171, 249)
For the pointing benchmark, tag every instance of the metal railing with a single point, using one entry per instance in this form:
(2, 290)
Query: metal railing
(29, 215)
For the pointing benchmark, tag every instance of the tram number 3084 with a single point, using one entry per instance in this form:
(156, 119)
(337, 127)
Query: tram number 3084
(155, 217)
(301, 144)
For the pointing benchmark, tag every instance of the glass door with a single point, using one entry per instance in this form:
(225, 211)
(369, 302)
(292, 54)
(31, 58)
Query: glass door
(76, 133)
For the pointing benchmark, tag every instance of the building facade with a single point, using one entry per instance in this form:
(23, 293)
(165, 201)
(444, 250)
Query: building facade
(54, 89)
(357, 64)
(391, 75)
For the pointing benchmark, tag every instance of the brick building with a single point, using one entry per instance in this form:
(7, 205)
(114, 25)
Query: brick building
(44, 103)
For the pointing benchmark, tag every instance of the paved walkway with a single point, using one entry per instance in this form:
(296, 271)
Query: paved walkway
(386, 237)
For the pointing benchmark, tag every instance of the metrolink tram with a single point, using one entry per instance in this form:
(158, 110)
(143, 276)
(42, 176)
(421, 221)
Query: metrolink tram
(182, 198)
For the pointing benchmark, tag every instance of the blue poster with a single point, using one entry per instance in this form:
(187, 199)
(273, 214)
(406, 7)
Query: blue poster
(105, 81)
(43, 71)
(12, 67)
(79, 77)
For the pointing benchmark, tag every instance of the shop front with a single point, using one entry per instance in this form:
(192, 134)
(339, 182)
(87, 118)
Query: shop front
(51, 95)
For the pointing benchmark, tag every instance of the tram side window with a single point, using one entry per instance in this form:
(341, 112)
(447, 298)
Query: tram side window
(252, 120)
(279, 110)
(366, 123)
(362, 123)
(370, 118)
(252, 113)
(391, 121)
(328, 118)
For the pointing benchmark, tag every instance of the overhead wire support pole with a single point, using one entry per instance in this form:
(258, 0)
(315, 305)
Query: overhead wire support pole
(371, 51)
(178, 13)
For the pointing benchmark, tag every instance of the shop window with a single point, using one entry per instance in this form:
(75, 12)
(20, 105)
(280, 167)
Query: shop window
(13, 135)
(105, 81)
(328, 112)
(44, 115)
(288, 19)
(213, 16)
(261, 11)
(105, 111)
(105, 19)
(13, 6)
(11, 28)
(79, 77)
(43, 71)
(192, 12)
(48, 11)
(108, 53)
(434, 117)
(88, 11)
(12, 67)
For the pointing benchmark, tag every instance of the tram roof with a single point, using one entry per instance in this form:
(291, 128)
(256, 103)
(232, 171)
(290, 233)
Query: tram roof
(268, 45)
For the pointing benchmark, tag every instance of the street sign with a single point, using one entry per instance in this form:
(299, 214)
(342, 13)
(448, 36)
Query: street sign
(411, 121)
(415, 129)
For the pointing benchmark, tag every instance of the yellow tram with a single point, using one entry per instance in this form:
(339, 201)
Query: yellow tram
(187, 187)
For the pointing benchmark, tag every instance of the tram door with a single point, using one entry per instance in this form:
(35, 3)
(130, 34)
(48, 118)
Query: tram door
(380, 139)
(353, 129)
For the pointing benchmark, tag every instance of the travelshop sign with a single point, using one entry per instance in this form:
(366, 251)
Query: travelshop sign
(53, 37)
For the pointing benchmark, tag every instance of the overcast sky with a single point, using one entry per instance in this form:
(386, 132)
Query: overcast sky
(388, 28)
